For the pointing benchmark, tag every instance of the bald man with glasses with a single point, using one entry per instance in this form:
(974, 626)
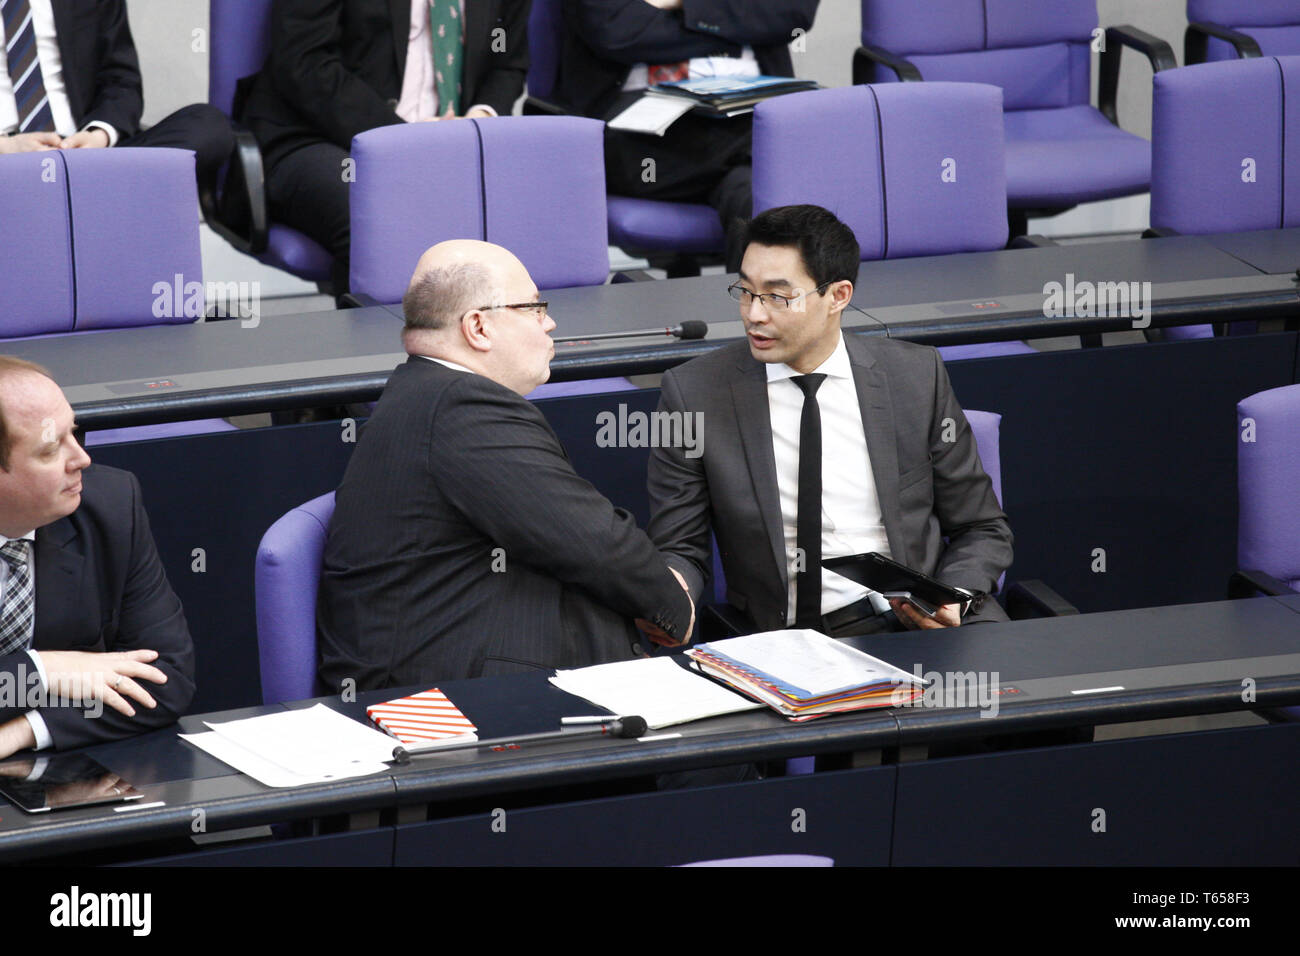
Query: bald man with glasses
(463, 543)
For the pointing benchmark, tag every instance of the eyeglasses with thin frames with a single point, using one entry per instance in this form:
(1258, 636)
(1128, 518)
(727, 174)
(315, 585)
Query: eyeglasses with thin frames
(772, 301)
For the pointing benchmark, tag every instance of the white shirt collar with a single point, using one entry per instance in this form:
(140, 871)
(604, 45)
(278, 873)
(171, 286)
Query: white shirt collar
(837, 365)
(451, 365)
(29, 536)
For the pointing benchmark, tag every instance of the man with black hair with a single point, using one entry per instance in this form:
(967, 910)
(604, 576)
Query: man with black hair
(897, 471)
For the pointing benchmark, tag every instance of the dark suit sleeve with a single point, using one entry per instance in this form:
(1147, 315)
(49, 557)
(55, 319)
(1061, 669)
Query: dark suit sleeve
(308, 71)
(150, 617)
(979, 536)
(118, 97)
(504, 79)
(679, 502)
(502, 467)
(633, 31)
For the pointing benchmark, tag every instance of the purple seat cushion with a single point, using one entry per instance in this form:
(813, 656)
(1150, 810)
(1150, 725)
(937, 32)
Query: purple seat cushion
(955, 353)
(294, 252)
(114, 436)
(142, 200)
(591, 386)
(1071, 155)
(36, 257)
(1268, 475)
(648, 225)
(286, 581)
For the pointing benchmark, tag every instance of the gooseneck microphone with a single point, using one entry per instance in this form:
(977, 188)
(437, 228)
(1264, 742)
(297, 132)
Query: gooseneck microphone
(624, 727)
(690, 329)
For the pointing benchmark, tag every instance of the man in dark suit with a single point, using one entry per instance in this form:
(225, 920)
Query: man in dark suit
(613, 49)
(463, 543)
(340, 67)
(897, 472)
(87, 618)
(70, 79)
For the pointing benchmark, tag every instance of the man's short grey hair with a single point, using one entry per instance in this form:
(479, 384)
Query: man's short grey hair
(438, 298)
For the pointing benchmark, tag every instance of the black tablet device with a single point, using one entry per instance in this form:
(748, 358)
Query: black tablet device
(892, 579)
(60, 782)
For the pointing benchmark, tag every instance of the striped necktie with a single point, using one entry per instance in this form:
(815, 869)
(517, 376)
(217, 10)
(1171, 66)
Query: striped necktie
(18, 611)
(34, 115)
(445, 26)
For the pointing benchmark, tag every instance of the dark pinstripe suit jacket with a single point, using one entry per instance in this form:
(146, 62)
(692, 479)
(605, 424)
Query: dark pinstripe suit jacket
(464, 544)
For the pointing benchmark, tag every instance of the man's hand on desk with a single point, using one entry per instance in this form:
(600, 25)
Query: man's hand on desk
(949, 615)
(16, 735)
(79, 675)
(657, 634)
(30, 142)
(94, 138)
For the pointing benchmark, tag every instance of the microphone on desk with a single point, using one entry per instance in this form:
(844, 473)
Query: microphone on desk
(690, 329)
(624, 727)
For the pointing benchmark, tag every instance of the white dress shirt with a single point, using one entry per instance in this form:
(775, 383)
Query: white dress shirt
(450, 365)
(419, 99)
(851, 518)
(51, 61)
(37, 723)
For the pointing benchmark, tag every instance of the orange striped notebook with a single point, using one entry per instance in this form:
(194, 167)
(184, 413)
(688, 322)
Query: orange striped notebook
(423, 717)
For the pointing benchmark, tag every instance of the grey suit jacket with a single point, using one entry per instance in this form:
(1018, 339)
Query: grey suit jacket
(464, 544)
(928, 488)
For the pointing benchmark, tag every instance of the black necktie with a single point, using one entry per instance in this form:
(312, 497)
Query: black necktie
(808, 533)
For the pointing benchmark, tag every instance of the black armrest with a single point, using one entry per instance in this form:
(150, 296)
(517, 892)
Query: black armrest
(1031, 242)
(1197, 38)
(1154, 233)
(631, 275)
(1160, 53)
(357, 300)
(240, 215)
(722, 620)
(1033, 598)
(534, 106)
(866, 55)
(1249, 583)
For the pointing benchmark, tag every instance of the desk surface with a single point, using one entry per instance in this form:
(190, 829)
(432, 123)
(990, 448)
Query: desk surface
(168, 373)
(1158, 662)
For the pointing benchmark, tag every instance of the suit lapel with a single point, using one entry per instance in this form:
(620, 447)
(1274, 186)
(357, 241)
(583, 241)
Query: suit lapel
(878, 423)
(754, 420)
(59, 569)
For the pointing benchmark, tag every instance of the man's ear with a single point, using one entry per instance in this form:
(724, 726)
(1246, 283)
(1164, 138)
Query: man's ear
(474, 329)
(841, 295)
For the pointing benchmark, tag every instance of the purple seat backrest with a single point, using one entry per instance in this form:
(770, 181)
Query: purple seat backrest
(145, 201)
(987, 429)
(534, 184)
(286, 581)
(1268, 474)
(241, 36)
(1273, 24)
(919, 168)
(1038, 52)
(36, 269)
(545, 33)
(1218, 131)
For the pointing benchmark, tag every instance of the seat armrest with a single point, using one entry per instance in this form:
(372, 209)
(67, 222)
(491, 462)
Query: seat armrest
(1197, 38)
(239, 216)
(1032, 242)
(1244, 583)
(866, 55)
(1032, 598)
(1160, 53)
(357, 300)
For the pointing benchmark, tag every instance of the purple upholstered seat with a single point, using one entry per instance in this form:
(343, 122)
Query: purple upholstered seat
(1268, 474)
(552, 215)
(241, 39)
(114, 436)
(1059, 150)
(36, 251)
(637, 226)
(1222, 137)
(918, 169)
(1274, 25)
(286, 580)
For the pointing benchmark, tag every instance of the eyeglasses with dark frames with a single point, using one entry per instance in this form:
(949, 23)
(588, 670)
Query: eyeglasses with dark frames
(773, 301)
(539, 307)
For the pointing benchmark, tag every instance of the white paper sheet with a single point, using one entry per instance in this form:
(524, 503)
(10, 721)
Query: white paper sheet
(652, 114)
(654, 688)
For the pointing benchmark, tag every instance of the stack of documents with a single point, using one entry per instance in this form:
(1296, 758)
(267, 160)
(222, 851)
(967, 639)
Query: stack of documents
(804, 674)
(654, 688)
(424, 717)
(732, 95)
(297, 747)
